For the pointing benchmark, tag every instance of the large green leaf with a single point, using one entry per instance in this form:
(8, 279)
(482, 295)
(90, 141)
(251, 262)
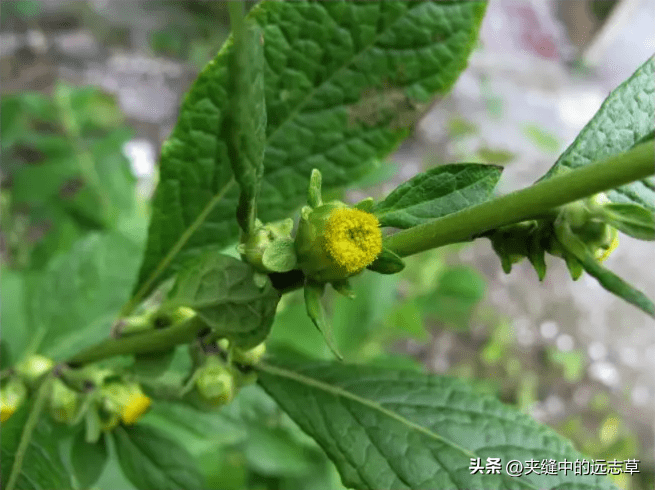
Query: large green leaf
(151, 460)
(401, 429)
(79, 294)
(247, 117)
(42, 468)
(344, 82)
(224, 292)
(624, 119)
(437, 192)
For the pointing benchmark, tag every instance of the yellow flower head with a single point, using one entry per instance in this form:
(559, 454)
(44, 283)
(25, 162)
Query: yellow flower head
(136, 405)
(352, 238)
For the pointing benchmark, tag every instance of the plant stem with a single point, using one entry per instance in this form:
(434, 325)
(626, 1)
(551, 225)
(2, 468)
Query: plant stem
(26, 435)
(149, 341)
(635, 164)
(534, 201)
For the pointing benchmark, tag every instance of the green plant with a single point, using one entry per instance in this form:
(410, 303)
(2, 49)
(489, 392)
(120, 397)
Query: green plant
(304, 98)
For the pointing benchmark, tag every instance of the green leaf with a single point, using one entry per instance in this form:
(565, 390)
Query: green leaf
(316, 312)
(79, 294)
(387, 263)
(437, 192)
(247, 116)
(344, 82)
(13, 312)
(624, 119)
(224, 292)
(457, 293)
(401, 429)
(88, 460)
(42, 468)
(150, 460)
(631, 219)
(356, 322)
(197, 431)
(406, 320)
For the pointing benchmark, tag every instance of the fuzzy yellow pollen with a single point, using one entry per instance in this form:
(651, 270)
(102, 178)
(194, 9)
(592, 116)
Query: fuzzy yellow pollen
(352, 238)
(136, 406)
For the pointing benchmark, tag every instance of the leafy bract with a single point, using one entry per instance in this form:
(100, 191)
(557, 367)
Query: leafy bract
(624, 119)
(437, 192)
(226, 293)
(79, 294)
(150, 459)
(42, 468)
(344, 82)
(401, 429)
(610, 281)
(88, 459)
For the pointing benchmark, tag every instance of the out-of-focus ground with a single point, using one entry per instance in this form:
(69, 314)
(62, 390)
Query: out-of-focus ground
(542, 70)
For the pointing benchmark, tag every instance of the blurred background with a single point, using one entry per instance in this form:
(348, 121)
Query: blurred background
(90, 90)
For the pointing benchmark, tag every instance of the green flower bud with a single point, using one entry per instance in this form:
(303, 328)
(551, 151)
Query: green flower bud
(124, 400)
(64, 402)
(34, 366)
(12, 394)
(215, 382)
(334, 242)
(249, 357)
(269, 248)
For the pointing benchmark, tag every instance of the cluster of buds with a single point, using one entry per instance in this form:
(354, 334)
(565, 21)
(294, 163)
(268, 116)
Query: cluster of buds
(15, 388)
(92, 393)
(218, 380)
(586, 228)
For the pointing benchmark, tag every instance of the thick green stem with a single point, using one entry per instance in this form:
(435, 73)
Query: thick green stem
(528, 203)
(150, 341)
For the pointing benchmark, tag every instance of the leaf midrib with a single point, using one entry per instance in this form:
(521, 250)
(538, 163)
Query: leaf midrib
(340, 392)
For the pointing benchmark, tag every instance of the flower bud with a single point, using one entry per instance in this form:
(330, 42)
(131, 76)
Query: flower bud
(269, 248)
(215, 382)
(251, 356)
(12, 395)
(64, 402)
(334, 242)
(125, 400)
(34, 366)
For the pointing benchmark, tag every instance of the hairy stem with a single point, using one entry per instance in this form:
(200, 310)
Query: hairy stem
(534, 201)
(149, 341)
(528, 203)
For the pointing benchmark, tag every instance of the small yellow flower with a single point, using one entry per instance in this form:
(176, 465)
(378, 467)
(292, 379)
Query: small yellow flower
(352, 238)
(126, 401)
(136, 405)
(11, 396)
(601, 254)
